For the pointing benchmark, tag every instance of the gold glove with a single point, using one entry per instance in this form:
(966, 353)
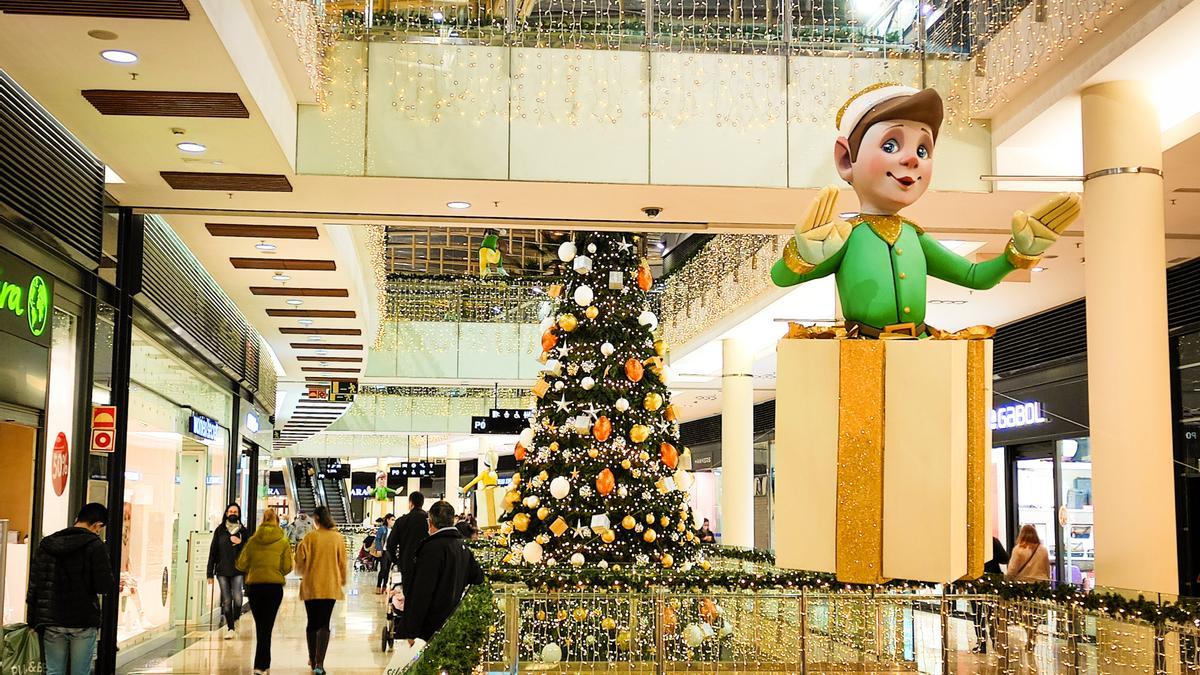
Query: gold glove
(820, 234)
(1033, 233)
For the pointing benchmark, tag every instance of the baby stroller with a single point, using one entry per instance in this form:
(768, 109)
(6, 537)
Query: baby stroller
(364, 561)
(395, 610)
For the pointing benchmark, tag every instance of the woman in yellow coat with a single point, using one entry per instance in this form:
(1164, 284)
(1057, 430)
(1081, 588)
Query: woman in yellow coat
(321, 562)
(266, 560)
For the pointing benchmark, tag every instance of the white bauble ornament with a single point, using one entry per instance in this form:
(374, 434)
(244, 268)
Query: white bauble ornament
(606, 349)
(621, 405)
(532, 553)
(551, 653)
(587, 383)
(622, 492)
(546, 324)
(583, 296)
(577, 560)
(582, 265)
(591, 248)
(726, 630)
(683, 479)
(566, 251)
(532, 501)
(526, 437)
(560, 487)
(559, 385)
(693, 635)
(603, 564)
(647, 318)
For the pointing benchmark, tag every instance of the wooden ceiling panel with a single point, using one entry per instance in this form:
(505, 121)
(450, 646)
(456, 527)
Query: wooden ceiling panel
(263, 231)
(289, 264)
(330, 359)
(298, 292)
(116, 9)
(226, 182)
(329, 370)
(166, 103)
(321, 331)
(321, 345)
(313, 313)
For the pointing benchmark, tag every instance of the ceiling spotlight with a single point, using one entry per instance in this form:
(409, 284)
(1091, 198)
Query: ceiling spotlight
(458, 205)
(191, 146)
(265, 247)
(306, 322)
(321, 352)
(295, 302)
(280, 277)
(314, 338)
(119, 56)
(1039, 269)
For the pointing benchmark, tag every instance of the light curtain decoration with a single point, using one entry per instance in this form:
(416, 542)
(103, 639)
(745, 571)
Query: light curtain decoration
(306, 24)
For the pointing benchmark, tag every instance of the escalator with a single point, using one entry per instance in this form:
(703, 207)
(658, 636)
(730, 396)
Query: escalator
(304, 488)
(333, 489)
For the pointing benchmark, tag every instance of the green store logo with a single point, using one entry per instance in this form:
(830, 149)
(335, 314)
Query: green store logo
(32, 303)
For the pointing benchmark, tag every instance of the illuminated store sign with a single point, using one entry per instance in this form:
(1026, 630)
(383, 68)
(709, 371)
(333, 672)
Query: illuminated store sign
(26, 300)
(1019, 414)
(204, 427)
(252, 423)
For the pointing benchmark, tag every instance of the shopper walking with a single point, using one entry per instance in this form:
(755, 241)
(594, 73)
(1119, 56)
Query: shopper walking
(265, 560)
(410, 530)
(1030, 561)
(442, 568)
(227, 542)
(299, 529)
(382, 530)
(69, 570)
(321, 562)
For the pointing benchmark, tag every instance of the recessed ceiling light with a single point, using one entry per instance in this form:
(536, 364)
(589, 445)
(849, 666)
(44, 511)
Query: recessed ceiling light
(314, 338)
(102, 34)
(321, 352)
(458, 205)
(265, 247)
(191, 146)
(306, 322)
(295, 302)
(280, 277)
(119, 56)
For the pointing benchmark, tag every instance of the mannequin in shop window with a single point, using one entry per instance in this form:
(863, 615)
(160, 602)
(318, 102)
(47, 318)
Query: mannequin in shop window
(227, 542)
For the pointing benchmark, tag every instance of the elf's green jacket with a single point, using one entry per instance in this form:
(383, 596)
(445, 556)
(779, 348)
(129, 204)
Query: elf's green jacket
(881, 283)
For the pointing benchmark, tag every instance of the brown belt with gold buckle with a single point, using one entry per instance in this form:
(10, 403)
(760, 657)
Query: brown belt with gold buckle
(858, 329)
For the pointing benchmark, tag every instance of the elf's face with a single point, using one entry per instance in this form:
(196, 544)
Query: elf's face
(893, 167)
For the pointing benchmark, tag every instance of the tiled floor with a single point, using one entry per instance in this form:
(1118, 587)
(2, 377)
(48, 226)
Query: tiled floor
(353, 649)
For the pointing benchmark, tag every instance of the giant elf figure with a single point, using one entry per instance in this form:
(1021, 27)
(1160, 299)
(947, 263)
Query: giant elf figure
(885, 151)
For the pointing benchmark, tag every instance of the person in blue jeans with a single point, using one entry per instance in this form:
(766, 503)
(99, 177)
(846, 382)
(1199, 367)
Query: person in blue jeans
(70, 571)
(227, 542)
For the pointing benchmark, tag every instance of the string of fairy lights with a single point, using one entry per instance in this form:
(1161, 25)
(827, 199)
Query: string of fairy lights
(313, 37)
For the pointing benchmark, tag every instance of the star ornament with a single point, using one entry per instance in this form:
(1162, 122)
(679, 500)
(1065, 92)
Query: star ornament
(592, 412)
(624, 245)
(563, 404)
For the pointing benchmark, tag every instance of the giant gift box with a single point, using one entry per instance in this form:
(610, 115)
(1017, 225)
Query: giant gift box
(881, 449)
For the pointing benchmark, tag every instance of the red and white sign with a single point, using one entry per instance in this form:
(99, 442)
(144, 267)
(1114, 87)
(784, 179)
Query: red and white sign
(318, 393)
(60, 464)
(104, 427)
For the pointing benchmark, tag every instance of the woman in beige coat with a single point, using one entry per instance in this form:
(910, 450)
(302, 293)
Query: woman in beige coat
(321, 563)
(1030, 561)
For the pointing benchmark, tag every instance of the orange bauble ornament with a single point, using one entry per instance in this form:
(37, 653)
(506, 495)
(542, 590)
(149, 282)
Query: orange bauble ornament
(602, 429)
(644, 279)
(633, 367)
(605, 482)
(549, 340)
(708, 610)
(670, 456)
(519, 452)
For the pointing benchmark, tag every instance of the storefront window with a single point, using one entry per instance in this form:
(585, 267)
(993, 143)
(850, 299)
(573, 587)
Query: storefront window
(1075, 455)
(60, 424)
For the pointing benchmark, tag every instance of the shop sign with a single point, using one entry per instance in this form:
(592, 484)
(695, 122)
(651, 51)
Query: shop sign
(204, 427)
(104, 427)
(252, 422)
(506, 421)
(60, 464)
(360, 491)
(26, 300)
(1015, 415)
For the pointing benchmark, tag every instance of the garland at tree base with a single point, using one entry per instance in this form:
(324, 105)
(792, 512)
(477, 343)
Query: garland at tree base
(458, 646)
(754, 555)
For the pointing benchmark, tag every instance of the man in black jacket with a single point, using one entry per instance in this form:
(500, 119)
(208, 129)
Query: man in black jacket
(407, 533)
(442, 570)
(69, 571)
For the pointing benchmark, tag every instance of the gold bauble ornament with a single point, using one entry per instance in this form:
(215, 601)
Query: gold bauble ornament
(543, 513)
(649, 518)
(625, 464)
(544, 476)
(502, 541)
(680, 527)
(639, 433)
(593, 453)
(521, 522)
(516, 479)
(653, 401)
(705, 565)
(660, 347)
(541, 615)
(568, 322)
(649, 535)
(554, 445)
(579, 614)
(608, 623)
(644, 456)
(591, 312)
(667, 560)
(628, 522)
(664, 521)
(608, 536)
(623, 640)
(562, 615)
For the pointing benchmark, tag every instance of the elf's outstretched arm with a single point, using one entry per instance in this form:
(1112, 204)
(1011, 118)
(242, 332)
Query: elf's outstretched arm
(818, 246)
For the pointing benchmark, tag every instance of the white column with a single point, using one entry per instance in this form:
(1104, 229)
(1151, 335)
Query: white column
(452, 479)
(737, 445)
(1129, 395)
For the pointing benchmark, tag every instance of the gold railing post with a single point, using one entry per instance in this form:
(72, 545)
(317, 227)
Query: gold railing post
(1001, 635)
(659, 626)
(803, 631)
(944, 615)
(512, 626)
(1074, 625)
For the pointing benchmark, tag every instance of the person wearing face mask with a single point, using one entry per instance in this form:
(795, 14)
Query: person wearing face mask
(227, 543)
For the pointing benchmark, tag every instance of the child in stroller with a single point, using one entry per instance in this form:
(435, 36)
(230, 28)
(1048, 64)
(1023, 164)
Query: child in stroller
(365, 561)
(395, 611)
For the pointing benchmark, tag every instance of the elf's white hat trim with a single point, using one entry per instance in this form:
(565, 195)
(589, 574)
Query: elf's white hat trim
(857, 106)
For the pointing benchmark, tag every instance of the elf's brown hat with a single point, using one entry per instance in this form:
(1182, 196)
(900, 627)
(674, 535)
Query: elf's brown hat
(887, 101)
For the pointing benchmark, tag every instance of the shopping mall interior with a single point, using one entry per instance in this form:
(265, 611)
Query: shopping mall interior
(574, 268)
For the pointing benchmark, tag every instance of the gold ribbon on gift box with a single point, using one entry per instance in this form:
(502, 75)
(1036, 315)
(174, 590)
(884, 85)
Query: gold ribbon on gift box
(861, 424)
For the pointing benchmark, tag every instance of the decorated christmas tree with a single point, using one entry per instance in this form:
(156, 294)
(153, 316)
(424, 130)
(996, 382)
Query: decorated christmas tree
(602, 478)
